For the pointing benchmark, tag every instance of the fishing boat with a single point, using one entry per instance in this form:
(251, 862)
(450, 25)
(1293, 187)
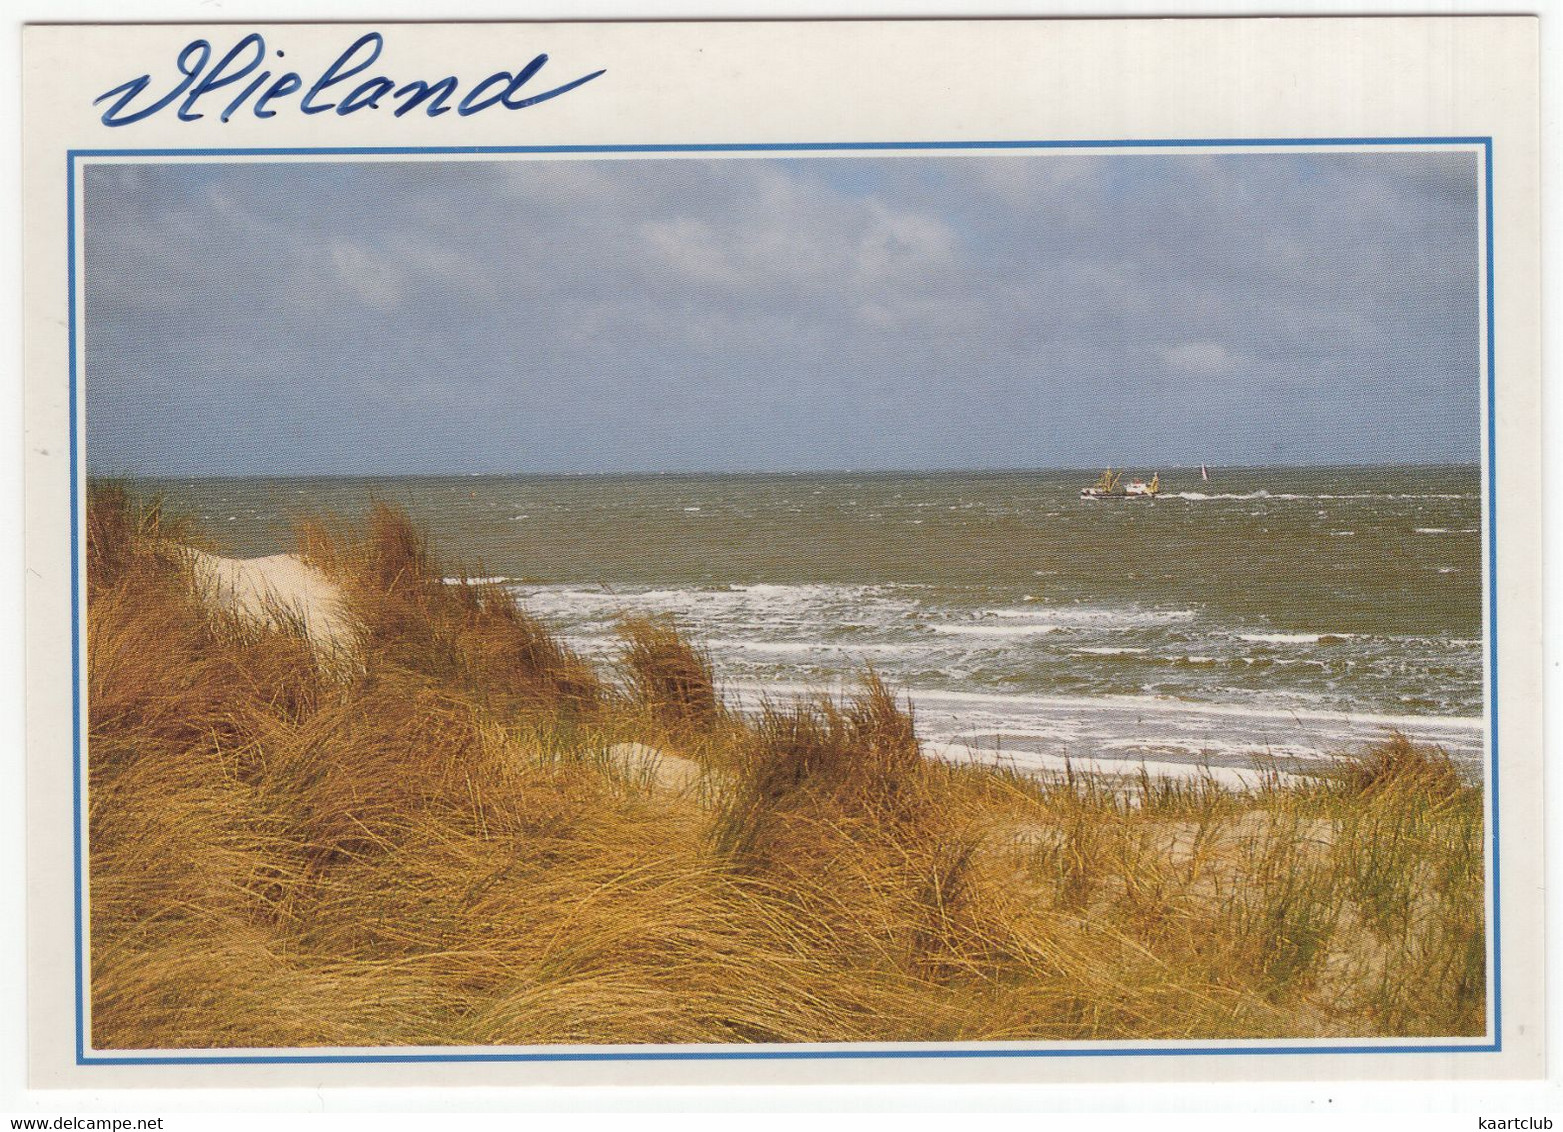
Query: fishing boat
(1104, 488)
(1139, 489)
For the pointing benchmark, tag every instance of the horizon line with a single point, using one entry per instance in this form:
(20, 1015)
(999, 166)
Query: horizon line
(769, 472)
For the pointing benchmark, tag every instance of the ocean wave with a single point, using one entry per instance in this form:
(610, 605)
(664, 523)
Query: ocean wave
(804, 648)
(1025, 705)
(757, 602)
(1297, 638)
(1216, 750)
(1111, 618)
(979, 630)
(1290, 497)
(783, 590)
(927, 639)
(1022, 725)
(1127, 770)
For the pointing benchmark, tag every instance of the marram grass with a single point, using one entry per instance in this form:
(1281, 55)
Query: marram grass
(460, 840)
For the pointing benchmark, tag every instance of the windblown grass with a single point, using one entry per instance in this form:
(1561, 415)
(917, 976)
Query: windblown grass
(468, 637)
(668, 678)
(446, 844)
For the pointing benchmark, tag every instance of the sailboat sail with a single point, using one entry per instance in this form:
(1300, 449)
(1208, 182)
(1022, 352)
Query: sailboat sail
(1204, 474)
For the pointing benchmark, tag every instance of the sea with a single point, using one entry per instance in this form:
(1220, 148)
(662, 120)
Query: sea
(1263, 620)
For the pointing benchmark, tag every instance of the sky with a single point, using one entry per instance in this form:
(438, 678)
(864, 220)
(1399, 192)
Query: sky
(1031, 310)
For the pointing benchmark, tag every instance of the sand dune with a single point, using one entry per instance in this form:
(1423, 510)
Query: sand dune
(278, 587)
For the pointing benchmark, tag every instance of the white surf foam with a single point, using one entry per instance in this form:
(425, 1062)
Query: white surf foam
(804, 648)
(996, 630)
(1231, 777)
(1296, 638)
(1026, 706)
(1296, 496)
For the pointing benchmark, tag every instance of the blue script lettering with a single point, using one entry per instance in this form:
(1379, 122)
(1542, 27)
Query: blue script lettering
(188, 66)
(199, 77)
(219, 77)
(336, 72)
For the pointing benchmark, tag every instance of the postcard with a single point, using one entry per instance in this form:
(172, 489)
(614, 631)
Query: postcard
(700, 552)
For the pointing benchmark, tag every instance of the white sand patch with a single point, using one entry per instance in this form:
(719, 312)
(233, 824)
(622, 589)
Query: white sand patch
(276, 589)
(673, 773)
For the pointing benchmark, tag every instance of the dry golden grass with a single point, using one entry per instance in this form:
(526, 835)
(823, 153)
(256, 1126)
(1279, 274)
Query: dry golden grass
(668, 678)
(443, 845)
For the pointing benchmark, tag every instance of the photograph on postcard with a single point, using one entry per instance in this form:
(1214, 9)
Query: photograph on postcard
(1030, 594)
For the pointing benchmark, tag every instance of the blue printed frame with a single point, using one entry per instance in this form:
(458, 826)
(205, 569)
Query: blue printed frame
(1492, 1042)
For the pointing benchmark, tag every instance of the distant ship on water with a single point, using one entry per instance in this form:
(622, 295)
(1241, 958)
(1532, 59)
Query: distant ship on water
(1106, 487)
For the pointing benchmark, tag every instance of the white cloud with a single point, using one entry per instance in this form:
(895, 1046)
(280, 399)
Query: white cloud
(901, 245)
(692, 251)
(1202, 357)
(369, 275)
